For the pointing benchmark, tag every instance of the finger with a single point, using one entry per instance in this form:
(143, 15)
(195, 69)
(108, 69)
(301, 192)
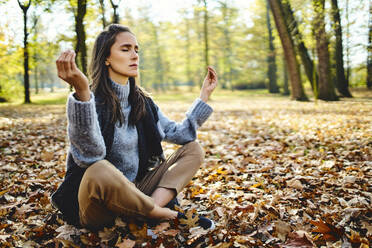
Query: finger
(73, 64)
(59, 63)
(66, 62)
(213, 70)
(214, 74)
(211, 74)
(70, 60)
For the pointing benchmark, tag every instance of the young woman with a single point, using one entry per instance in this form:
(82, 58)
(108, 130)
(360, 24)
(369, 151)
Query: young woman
(115, 164)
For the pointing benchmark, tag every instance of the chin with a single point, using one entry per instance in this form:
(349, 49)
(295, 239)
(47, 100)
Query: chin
(132, 74)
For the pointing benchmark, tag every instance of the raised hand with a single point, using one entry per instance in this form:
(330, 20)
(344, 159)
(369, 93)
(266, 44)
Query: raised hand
(209, 84)
(68, 71)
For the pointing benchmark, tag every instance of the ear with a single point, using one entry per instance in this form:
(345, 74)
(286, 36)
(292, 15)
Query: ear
(107, 63)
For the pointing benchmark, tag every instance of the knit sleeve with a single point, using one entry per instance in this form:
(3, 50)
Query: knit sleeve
(185, 131)
(86, 142)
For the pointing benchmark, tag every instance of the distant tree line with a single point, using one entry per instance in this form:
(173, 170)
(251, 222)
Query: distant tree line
(276, 52)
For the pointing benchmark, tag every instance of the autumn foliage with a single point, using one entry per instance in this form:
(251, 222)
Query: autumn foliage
(277, 173)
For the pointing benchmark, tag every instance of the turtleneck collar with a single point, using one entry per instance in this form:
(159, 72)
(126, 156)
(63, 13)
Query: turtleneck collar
(122, 92)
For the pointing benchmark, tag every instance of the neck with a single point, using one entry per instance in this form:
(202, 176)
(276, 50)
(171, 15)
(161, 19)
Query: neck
(120, 79)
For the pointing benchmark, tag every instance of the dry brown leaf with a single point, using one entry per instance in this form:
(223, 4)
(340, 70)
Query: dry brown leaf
(296, 184)
(127, 243)
(298, 239)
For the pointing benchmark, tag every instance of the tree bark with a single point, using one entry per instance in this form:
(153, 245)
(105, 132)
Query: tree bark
(326, 87)
(285, 78)
(158, 60)
(188, 53)
(227, 75)
(206, 42)
(35, 56)
(307, 62)
(271, 59)
(26, 79)
(103, 17)
(348, 72)
(289, 51)
(81, 48)
(115, 15)
(369, 48)
(341, 83)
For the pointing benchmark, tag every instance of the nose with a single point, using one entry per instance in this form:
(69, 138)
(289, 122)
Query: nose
(134, 55)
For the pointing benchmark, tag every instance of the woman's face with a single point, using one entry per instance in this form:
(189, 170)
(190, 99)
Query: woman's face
(123, 60)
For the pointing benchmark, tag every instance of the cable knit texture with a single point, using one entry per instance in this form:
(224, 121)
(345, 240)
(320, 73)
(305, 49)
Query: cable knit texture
(87, 144)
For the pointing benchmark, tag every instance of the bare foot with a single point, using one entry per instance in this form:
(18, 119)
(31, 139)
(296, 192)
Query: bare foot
(162, 213)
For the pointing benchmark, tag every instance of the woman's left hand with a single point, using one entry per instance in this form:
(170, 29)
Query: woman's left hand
(209, 84)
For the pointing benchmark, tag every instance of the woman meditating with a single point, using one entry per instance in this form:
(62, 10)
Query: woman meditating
(115, 164)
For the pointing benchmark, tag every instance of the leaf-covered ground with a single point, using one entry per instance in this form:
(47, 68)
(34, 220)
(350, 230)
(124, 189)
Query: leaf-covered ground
(277, 173)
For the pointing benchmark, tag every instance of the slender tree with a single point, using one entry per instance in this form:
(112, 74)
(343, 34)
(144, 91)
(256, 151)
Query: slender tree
(307, 62)
(297, 91)
(341, 82)
(187, 49)
(26, 82)
(115, 15)
(271, 60)
(35, 55)
(326, 87)
(103, 10)
(80, 46)
(206, 41)
(348, 72)
(159, 79)
(369, 48)
(227, 17)
(285, 78)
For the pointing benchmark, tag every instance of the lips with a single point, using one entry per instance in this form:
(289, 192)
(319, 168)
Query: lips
(133, 65)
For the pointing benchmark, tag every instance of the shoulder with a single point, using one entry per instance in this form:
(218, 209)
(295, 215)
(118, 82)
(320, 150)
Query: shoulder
(150, 103)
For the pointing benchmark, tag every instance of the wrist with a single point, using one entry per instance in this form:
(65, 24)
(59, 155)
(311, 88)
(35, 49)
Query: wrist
(82, 95)
(204, 97)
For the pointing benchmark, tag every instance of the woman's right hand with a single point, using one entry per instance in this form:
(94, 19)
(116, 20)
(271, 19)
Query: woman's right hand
(68, 71)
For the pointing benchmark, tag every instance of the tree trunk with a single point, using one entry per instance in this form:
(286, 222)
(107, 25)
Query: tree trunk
(26, 81)
(348, 73)
(36, 78)
(326, 87)
(341, 83)
(158, 60)
(369, 48)
(289, 51)
(285, 78)
(271, 60)
(307, 62)
(102, 8)
(115, 15)
(206, 43)
(188, 53)
(81, 48)
(227, 50)
(35, 56)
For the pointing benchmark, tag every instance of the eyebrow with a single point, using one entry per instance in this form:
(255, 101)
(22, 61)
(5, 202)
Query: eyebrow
(128, 45)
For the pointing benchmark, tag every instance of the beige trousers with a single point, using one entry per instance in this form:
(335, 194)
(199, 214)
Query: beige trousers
(105, 193)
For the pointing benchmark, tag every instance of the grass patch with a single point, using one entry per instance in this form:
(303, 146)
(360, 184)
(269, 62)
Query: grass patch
(55, 98)
(43, 98)
(184, 95)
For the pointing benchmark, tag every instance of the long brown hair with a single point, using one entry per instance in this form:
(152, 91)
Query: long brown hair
(101, 83)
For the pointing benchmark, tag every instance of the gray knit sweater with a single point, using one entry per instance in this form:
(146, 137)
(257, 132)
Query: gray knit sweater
(87, 145)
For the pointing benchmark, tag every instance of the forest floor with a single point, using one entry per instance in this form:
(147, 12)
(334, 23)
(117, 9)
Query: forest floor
(277, 173)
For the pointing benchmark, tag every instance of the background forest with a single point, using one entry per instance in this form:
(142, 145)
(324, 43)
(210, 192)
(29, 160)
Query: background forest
(330, 43)
(276, 173)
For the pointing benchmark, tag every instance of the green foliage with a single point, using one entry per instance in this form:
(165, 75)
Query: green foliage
(171, 52)
(10, 69)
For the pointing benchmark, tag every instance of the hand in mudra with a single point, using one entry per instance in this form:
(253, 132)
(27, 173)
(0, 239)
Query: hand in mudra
(209, 84)
(68, 71)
